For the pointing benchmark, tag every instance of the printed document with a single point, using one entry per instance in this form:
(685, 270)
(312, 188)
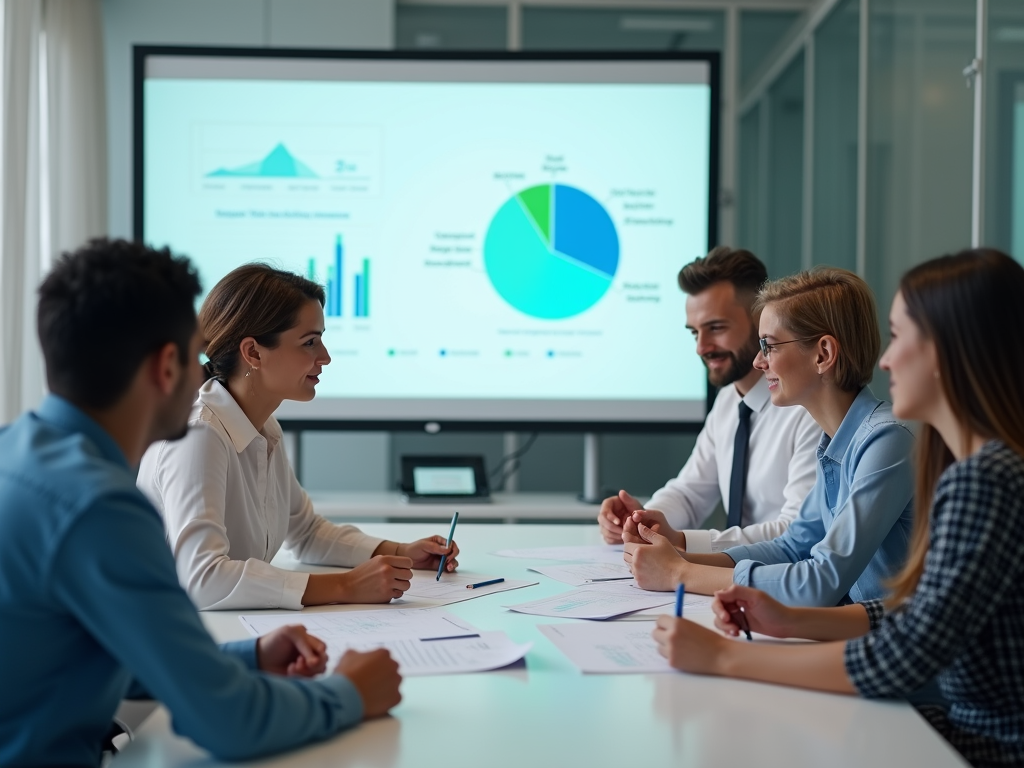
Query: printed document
(608, 648)
(594, 602)
(423, 642)
(452, 586)
(579, 574)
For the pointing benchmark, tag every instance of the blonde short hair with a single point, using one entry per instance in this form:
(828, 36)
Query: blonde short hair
(826, 301)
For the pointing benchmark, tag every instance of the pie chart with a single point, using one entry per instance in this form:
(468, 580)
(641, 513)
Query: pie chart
(551, 251)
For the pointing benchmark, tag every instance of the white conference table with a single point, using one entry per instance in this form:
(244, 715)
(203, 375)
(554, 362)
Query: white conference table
(546, 713)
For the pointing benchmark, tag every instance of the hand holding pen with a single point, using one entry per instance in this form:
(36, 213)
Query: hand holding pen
(744, 609)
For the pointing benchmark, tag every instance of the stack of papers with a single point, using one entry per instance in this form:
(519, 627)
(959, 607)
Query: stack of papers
(608, 648)
(422, 642)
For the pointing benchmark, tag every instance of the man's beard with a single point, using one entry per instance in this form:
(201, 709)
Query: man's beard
(742, 363)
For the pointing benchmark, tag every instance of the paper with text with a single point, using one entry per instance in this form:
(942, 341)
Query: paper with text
(416, 658)
(331, 625)
(452, 586)
(608, 648)
(579, 574)
(594, 603)
(423, 642)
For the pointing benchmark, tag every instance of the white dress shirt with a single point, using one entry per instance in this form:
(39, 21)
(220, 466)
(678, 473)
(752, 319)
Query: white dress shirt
(780, 471)
(230, 500)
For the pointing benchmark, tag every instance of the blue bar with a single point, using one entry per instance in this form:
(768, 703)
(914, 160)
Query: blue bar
(338, 273)
(331, 282)
(359, 295)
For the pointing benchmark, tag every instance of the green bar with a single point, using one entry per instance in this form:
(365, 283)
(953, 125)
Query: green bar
(366, 287)
(312, 269)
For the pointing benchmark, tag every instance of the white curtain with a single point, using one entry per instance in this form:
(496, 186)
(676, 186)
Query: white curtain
(53, 186)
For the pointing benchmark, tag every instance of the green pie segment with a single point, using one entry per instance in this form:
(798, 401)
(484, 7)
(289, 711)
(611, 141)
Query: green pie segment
(527, 272)
(537, 201)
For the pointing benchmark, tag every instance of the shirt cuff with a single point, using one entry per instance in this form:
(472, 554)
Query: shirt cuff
(347, 696)
(698, 542)
(741, 573)
(738, 553)
(876, 612)
(364, 549)
(243, 650)
(294, 588)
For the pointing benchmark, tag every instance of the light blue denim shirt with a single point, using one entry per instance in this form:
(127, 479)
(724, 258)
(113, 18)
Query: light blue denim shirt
(90, 610)
(852, 531)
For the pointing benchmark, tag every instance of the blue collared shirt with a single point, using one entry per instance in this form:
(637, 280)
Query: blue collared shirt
(91, 608)
(852, 532)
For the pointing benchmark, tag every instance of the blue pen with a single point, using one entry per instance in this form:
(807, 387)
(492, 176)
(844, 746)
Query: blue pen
(451, 535)
(680, 594)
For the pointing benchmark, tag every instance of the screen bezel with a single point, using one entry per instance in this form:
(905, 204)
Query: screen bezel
(443, 420)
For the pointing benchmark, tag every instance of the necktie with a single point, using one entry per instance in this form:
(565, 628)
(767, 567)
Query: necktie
(738, 480)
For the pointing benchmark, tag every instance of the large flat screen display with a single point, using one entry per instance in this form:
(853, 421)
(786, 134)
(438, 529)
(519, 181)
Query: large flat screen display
(498, 237)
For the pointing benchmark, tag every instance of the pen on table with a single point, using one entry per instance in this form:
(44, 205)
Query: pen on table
(611, 578)
(484, 583)
(680, 594)
(451, 535)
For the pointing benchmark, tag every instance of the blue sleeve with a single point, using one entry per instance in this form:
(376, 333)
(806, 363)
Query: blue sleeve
(880, 490)
(115, 574)
(243, 650)
(792, 546)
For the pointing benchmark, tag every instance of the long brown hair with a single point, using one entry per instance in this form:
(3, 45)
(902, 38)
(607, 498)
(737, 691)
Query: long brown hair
(254, 300)
(971, 306)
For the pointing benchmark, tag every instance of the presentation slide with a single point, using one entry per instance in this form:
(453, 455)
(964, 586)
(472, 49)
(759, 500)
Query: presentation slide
(497, 239)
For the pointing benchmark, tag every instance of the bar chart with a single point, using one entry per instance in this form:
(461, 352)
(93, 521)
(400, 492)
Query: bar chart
(333, 279)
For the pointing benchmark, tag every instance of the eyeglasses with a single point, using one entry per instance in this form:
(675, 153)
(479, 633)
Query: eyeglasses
(766, 348)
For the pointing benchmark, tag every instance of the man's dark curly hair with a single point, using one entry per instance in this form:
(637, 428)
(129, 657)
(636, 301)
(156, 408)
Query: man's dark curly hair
(106, 307)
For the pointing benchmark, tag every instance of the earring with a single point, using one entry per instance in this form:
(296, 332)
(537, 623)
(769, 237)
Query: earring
(248, 372)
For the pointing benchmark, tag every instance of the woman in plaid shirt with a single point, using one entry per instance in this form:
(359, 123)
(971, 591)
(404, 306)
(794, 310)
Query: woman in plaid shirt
(956, 610)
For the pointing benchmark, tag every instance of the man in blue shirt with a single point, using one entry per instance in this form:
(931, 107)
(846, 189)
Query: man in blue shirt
(89, 597)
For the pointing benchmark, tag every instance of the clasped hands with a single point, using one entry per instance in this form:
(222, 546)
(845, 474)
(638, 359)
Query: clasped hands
(652, 547)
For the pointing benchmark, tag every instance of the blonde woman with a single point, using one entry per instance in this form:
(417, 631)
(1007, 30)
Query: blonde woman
(819, 342)
(228, 495)
(956, 609)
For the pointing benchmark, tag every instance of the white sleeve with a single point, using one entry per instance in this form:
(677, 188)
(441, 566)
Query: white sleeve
(314, 540)
(190, 478)
(801, 477)
(688, 499)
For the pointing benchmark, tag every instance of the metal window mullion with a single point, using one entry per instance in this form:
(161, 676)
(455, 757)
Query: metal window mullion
(728, 175)
(862, 139)
(978, 149)
(807, 234)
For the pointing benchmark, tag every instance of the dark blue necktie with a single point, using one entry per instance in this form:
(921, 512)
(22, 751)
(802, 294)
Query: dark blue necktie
(738, 480)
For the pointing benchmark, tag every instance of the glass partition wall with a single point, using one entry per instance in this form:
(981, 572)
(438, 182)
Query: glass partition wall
(851, 133)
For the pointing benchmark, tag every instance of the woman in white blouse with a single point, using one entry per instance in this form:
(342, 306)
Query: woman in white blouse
(228, 495)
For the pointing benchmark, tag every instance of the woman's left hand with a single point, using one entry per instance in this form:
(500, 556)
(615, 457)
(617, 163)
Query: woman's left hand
(426, 553)
(291, 651)
(689, 646)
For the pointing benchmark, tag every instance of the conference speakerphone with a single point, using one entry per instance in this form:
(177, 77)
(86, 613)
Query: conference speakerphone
(444, 479)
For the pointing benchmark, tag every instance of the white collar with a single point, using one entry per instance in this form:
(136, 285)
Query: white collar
(758, 396)
(241, 431)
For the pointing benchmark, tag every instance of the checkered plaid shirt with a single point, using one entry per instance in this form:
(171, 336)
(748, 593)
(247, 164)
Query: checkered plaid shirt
(965, 622)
